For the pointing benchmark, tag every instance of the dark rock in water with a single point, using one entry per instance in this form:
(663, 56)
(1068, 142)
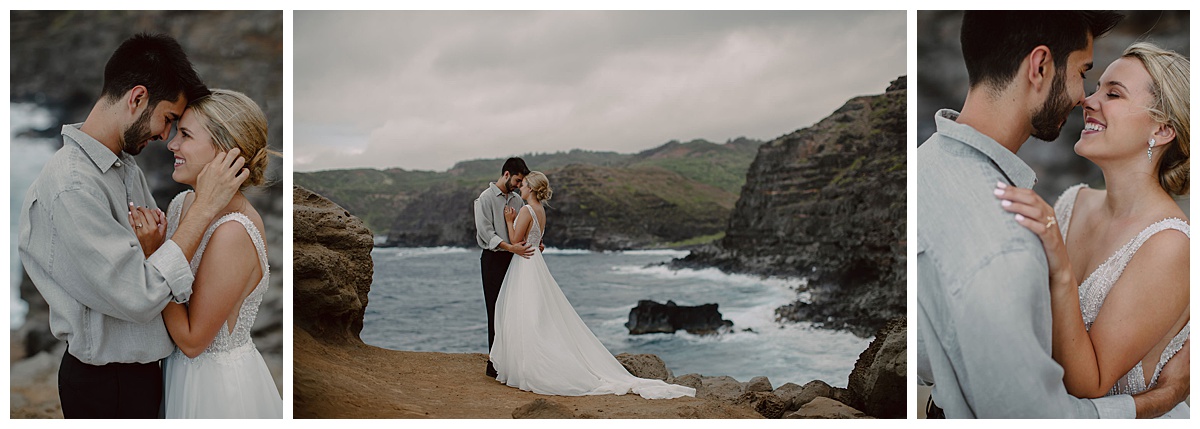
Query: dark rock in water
(828, 203)
(877, 384)
(332, 268)
(651, 317)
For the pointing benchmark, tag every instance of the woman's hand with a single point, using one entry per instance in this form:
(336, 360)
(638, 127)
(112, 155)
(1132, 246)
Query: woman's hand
(510, 215)
(150, 226)
(1032, 212)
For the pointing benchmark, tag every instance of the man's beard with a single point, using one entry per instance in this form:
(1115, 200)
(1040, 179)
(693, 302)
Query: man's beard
(1049, 119)
(137, 133)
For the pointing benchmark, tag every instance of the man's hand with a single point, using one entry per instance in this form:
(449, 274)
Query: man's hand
(542, 247)
(520, 249)
(218, 181)
(1173, 386)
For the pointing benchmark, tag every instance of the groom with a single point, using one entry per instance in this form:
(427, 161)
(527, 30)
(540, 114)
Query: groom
(984, 325)
(491, 234)
(79, 249)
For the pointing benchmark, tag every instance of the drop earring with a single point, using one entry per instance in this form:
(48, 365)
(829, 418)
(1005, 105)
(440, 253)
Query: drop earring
(1148, 153)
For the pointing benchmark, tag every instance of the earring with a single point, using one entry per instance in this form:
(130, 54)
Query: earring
(1148, 153)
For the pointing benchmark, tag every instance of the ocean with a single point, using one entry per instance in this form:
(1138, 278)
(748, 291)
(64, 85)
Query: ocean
(431, 299)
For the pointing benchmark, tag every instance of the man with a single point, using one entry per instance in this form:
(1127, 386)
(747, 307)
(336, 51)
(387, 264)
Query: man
(81, 252)
(491, 233)
(984, 321)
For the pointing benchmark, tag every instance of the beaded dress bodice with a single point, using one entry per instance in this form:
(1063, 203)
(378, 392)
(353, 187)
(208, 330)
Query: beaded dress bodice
(534, 237)
(239, 339)
(1096, 286)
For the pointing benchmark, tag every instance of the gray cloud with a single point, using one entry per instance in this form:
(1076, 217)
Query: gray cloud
(422, 90)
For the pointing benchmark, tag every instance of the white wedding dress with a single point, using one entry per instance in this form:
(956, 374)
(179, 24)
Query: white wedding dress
(1095, 288)
(229, 379)
(543, 346)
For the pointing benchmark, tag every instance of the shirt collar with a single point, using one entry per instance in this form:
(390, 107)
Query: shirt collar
(1017, 171)
(496, 190)
(96, 151)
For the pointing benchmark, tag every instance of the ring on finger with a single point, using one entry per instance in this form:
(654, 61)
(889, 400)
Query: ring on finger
(1050, 221)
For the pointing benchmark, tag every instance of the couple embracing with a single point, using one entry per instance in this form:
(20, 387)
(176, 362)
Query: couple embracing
(1080, 309)
(537, 341)
(129, 285)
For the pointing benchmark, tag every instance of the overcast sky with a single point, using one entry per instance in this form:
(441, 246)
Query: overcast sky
(423, 90)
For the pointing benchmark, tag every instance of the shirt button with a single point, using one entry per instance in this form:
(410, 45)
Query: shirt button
(117, 164)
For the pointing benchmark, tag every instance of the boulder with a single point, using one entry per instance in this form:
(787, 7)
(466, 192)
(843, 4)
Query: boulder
(878, 382)
(758, 384)
(765, 403)
(645, 366)
(825, 408)
(331, 268)
(543, 409)
(690, 380)
(724, 388)
(651, 317)
(813, 390)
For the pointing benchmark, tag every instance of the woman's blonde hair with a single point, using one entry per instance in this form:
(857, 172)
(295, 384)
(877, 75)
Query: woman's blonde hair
(1169, 74)
(234, 120)
(539, 185)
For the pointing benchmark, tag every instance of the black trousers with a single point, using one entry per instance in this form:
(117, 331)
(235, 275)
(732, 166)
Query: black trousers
(494, 265)
(113, 391)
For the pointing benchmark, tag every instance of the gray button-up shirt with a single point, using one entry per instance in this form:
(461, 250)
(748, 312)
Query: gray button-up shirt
(76, 243)
(984, 320)
(490, 226)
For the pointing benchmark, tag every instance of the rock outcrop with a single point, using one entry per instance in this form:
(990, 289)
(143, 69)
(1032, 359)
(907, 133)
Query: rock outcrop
(650, 317)
(645, 366)
(332, 268)
(878, 383)
(828, 203)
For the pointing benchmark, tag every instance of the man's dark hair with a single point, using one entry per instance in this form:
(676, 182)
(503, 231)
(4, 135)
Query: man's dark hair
(995, 42)
(155, 61)
(515, 166)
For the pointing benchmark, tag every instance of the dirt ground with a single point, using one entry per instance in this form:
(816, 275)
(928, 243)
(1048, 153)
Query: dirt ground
(361, 381)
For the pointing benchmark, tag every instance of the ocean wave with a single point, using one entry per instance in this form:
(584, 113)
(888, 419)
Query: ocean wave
(712, 274)
(409, 252)
(558, 251)
(27, 116)
(657, 252)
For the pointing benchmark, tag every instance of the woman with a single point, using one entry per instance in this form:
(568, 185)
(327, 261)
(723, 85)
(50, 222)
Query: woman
(215, 371)
(1119, 257)
(541, 343)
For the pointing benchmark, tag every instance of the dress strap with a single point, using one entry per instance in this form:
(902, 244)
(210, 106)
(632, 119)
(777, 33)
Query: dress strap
(1064, 206)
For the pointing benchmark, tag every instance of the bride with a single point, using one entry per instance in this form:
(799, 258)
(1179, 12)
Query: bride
(541, 343)
(1114, 330)
(215, 371)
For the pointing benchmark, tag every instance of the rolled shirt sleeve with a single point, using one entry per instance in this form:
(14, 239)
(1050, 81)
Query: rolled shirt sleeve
(485, 233)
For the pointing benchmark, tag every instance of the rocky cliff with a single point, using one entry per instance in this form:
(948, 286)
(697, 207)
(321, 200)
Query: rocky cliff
(594, 207)
(828, 203)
